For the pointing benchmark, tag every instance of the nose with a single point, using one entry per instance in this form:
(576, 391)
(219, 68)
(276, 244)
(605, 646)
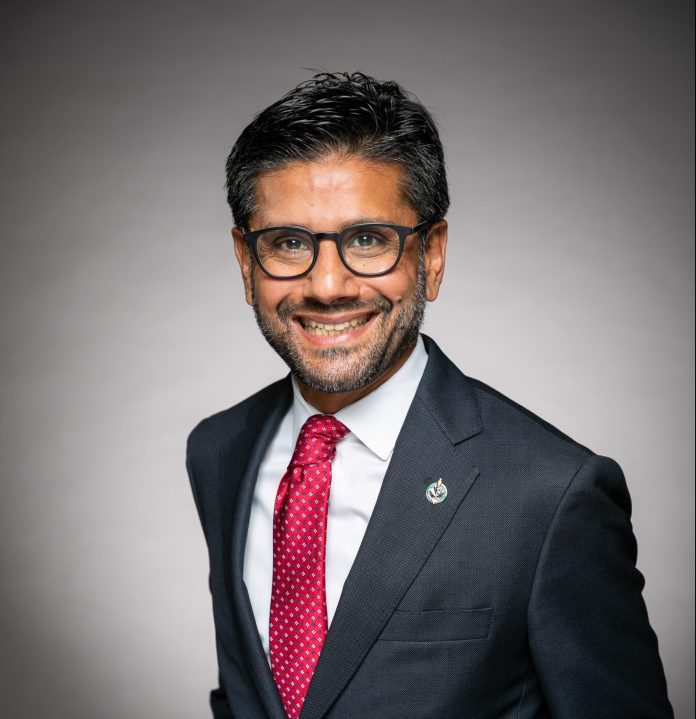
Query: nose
(330, 281)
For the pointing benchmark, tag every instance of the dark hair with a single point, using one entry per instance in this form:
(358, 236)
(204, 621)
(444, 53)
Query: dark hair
(345, 113)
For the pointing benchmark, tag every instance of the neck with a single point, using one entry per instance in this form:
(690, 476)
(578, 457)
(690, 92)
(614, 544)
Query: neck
(332, 402)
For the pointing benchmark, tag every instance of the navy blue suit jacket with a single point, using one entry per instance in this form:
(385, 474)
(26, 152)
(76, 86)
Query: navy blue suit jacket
(517, 597)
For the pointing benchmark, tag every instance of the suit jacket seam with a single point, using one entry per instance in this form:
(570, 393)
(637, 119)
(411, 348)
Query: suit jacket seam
(524, 691)
(435, 641)
(549, 527)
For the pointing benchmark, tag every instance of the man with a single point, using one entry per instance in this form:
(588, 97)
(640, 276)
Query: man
(472, 560)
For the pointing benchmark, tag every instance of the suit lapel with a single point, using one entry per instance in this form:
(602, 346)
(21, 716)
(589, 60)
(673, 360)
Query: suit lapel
(404, 526)
(242, 458)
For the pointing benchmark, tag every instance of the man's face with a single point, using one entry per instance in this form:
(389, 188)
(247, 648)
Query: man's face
(378, 317)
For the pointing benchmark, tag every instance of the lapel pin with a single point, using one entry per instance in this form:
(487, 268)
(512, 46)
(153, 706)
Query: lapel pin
(436, 492)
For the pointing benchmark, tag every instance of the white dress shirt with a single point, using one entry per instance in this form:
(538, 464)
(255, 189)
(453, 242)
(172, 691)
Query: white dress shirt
(357, 471)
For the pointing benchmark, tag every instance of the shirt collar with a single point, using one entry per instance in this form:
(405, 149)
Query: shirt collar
(376, 418)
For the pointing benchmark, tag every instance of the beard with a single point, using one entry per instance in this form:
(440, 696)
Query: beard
(346, 369)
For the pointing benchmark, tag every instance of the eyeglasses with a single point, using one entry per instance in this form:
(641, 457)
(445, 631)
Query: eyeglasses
(367, 250)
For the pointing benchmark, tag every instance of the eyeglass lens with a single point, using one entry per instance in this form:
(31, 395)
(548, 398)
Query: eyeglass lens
(286, 252)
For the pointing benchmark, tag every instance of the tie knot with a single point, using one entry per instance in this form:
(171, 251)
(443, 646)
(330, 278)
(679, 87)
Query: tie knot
(317, 440)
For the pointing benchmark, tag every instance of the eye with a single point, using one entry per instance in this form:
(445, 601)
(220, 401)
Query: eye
(361, 243)
(365, 240)
(287, 243)
(291, 244)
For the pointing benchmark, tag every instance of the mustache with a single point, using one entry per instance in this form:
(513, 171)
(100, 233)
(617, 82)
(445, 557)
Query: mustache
(286, 308)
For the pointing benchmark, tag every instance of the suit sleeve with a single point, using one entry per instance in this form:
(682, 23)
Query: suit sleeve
(219, 703)
(592, 645)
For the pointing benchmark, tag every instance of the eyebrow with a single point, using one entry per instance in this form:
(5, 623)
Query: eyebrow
(358, 221)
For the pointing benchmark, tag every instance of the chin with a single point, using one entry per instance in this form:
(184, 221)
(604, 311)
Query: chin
(334, 384)
(333, 373)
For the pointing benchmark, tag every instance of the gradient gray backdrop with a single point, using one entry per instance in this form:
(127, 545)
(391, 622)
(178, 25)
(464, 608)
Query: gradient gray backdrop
(568, 133)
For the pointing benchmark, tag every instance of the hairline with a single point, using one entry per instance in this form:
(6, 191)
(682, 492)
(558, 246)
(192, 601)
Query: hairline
(342, 154)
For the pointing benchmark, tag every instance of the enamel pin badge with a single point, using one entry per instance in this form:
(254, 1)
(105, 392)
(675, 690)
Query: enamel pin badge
(436, 492)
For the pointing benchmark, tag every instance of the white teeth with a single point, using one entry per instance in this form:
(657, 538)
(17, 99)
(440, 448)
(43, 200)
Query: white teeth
(326, 329)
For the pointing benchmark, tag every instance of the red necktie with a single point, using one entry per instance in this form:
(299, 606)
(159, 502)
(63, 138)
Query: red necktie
(298, 622)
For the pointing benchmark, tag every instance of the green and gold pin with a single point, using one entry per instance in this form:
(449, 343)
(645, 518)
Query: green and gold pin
(436, 492)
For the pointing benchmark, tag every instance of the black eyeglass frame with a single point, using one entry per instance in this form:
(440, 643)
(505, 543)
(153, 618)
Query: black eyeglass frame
(251, 239)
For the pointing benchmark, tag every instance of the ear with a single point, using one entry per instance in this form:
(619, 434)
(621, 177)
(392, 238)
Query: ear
(435, 259)
(242, 252)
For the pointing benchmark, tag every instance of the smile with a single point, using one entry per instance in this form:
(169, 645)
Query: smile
(332, 329)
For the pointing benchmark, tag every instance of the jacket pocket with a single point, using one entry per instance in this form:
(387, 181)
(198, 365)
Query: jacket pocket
(444, 625)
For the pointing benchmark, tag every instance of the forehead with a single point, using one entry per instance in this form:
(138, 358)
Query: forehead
(330, 193)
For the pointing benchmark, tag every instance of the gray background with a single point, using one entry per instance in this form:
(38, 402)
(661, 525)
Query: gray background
(568, 131)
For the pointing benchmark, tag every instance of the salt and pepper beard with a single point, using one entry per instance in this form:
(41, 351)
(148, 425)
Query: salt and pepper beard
(384, 352)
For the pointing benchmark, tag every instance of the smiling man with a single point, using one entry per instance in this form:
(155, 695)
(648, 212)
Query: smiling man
(344, 319)
(388, 537)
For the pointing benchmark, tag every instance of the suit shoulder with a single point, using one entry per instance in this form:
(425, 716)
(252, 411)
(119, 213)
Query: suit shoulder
(537, 457)
(509, 429)
(519, 426)
(215, 429)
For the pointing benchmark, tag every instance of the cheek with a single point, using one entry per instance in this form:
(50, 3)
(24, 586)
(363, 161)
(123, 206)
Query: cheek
(398, 286)
(270, 294)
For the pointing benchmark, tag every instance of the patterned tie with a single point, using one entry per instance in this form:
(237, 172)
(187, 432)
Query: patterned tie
(298, 624)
